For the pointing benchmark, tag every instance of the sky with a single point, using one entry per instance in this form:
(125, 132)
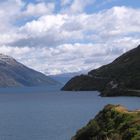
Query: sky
(66, 36)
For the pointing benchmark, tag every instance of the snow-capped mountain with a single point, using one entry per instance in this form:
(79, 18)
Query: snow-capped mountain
(13, 73)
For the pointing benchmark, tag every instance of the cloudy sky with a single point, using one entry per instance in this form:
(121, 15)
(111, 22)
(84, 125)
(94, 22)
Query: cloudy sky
(62, 36)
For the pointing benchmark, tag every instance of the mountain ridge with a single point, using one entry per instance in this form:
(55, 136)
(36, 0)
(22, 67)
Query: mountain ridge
(121, 77)
(13, 73)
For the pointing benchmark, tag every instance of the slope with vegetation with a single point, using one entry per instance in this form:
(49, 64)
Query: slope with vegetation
(114, 122)
(121, 77)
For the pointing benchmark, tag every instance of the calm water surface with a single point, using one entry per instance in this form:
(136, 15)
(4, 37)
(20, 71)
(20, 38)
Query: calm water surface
(42, 114)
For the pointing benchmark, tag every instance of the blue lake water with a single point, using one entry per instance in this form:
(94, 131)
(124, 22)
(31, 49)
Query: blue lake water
(44, 114)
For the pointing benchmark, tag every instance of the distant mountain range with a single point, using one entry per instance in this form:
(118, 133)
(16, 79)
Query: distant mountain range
(121, 77)
(13, 74)
(64, 77)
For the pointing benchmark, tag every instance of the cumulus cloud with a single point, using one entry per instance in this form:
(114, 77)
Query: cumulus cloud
(105, 26)
(76, 6)
(65, 2)
(9, 10)
(12, 11)
(66, 42)
(68, 58)
(39, 9)
(50, 30)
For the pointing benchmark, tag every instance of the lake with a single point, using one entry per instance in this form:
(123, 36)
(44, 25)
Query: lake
(44, 114)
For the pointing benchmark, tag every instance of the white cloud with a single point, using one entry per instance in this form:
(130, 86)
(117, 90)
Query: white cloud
(77, 6)
(50, 30)
(58, 43)
(39, 9)
(70, 57)
(105, 26)
(9, 10)
(65, 2)
(12, 11)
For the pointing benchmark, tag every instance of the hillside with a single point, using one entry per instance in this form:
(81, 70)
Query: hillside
(121, 77)
(13, 73)
(114, 122)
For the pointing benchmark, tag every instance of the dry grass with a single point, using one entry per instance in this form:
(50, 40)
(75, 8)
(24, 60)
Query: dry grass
(122, 109)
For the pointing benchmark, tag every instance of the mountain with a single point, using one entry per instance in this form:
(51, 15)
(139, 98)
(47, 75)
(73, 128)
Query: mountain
(64, 77)
(13, 73)
(114, 122)
(121, 77)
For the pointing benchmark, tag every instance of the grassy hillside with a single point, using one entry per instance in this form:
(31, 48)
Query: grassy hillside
(114, 122)
(121, 77)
